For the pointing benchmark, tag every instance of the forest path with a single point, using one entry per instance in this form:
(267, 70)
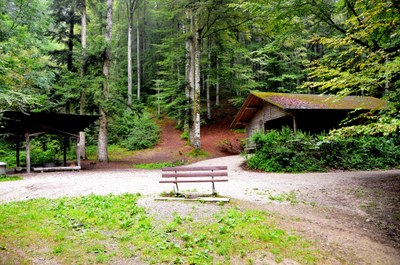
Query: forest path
(214, 137)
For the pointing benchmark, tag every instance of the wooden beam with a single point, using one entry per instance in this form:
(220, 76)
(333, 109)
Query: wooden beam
(294, 124)
(252, 108)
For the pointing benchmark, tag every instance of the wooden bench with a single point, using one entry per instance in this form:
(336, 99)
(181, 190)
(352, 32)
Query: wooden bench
(48, 169)
(211, 174)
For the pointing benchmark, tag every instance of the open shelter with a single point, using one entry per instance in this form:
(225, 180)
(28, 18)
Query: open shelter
(27, 125)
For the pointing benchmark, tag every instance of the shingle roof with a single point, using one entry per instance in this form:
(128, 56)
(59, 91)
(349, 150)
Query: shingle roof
(328, 102)
(295, 102)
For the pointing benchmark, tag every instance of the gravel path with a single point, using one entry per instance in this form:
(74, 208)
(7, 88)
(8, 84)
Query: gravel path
(333, 208)
(244, 185)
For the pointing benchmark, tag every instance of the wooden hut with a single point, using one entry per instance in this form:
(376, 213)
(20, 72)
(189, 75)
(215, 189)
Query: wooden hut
(263, 111)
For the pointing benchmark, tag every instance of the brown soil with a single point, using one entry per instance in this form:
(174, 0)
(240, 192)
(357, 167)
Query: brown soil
(217, 140)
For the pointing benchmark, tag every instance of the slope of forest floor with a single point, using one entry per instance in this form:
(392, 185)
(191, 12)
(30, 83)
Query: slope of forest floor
(217, 140)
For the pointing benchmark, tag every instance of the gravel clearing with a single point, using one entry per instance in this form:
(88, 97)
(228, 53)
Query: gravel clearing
(355, 215)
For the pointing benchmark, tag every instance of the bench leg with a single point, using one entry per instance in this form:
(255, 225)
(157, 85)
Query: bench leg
(213, 189)
(176, 189)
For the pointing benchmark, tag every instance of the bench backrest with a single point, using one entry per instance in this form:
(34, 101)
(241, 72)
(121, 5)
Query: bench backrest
(211, 171)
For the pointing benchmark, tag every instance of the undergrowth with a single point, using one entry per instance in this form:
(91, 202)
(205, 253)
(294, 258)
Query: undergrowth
(4, 178)
(158, 165)
(285, 151)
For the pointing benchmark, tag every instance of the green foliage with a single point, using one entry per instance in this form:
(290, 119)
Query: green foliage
(24, 65)
(284, 151)
(9, 178)
(44, 149)
(134, 131)
(198, 153)
(362, 57)
(159, 165)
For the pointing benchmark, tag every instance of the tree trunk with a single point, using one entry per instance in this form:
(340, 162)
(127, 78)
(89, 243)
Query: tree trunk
(188, 76)
(208, 82)
(130, 15)
(217, 86)
(83, 62)
(82, 137)
(196, 92)
(138, 57)
(191, 79)
(131, 9)
(102, 152)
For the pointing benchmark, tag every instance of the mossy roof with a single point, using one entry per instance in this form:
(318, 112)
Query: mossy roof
(300, 102)
(323, 102)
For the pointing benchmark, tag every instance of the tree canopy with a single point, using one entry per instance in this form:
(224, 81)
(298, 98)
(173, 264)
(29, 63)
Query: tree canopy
(188, 57)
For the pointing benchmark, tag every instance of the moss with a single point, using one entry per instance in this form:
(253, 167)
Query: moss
(310, 101)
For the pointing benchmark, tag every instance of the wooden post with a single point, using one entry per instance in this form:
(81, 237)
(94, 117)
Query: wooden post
(82, 145)
(17, 149)
(28, 151)
(65, 151)
(294, 124)
(78, 151)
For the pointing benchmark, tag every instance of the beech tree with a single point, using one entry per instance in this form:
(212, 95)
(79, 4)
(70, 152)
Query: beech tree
(102, 151)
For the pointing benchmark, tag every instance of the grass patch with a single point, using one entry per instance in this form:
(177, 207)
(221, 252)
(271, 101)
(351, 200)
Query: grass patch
(4, 178)
(113, 229)
(198, 153)
(158, 165)
(115, 152)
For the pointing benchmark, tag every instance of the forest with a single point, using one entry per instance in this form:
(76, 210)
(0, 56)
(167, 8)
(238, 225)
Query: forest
(130, 60)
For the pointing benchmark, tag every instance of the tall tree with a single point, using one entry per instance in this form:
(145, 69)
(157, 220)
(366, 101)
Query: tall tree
(84, 56)
(138, 58)
(102, 153)
(131, 8)
(82, 135)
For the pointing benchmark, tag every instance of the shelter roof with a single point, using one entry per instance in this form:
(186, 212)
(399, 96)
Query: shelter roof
(296, 102)
(41, 122)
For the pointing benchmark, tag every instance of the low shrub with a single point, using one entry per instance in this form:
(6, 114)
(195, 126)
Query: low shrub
(285, 151)
(134, 131)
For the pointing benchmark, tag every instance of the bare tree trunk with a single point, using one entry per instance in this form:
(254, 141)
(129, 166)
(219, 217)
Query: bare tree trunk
(83, 62)
(188, 76)
(208, 81)
(82, 137)
(191, 78)
(130, 14)
(217, 86)
(138, 63)
(196, 92)
(102, 152)
(131, 9)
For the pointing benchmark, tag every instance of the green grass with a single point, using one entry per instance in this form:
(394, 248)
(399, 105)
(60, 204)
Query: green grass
(9, 178)
(198, 153)
(113, 229)
(158, 165)
(115, 152)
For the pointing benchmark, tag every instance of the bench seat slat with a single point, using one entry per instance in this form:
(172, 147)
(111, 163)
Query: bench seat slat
(195, 168)
(193, 180)
(195, 174)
